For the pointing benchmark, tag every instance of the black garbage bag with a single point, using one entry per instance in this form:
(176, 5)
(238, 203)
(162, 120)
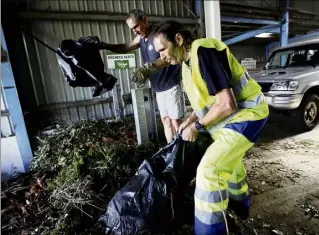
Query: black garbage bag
(149, 202)
(82, 66)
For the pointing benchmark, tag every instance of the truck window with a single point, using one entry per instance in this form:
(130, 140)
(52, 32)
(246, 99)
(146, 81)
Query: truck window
(297, 58)
(313, 57)
(307, 55)
(278, 57)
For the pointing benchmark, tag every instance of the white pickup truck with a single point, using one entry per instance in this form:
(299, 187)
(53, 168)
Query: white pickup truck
(290, 82)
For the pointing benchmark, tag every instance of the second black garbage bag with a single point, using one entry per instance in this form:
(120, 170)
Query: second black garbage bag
(150, 201)
(82, 66)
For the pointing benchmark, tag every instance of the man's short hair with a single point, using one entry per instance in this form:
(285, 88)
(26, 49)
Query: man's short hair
(136, 14)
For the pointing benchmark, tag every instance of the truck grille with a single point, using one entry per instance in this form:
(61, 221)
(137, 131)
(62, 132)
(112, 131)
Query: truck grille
(265, 86)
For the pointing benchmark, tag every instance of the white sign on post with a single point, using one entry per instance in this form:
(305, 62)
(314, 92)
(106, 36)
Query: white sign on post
(249, 63)
(121, 61)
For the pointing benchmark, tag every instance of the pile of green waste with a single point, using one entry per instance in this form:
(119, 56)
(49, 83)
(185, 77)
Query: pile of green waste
(74, 173)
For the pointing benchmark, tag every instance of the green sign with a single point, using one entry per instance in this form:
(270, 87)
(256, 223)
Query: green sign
(121, 64)
(121, 61)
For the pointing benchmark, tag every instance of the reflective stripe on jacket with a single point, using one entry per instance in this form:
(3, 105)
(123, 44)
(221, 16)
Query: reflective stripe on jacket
(246, 90)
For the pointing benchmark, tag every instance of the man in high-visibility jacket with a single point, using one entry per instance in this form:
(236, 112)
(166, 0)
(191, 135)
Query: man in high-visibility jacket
(229, 105)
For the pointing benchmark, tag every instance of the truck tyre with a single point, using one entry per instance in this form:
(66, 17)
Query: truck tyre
(306, 116)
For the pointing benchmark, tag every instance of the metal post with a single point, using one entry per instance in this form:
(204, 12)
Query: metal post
(267, 51)
(284, 29)
(140, 115)
(117, 102)
(150, 113)
(200, 12)
(212, 19)
(14, 109)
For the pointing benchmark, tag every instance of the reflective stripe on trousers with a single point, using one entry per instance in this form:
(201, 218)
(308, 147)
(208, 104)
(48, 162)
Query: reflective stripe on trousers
(238, 185)
(221, 175)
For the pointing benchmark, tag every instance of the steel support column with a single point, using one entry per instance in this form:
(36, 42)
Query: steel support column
(212, 19)
(200, 12)
(284, 28)
(14, 108)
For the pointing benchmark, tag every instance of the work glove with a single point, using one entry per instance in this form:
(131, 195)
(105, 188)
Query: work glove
(143, 73)
(93, 41)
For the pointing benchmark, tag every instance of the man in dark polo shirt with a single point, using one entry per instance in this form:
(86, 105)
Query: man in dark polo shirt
(164, 78)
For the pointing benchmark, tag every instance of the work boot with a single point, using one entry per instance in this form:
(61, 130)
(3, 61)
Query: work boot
(232, 222)
(241, 208)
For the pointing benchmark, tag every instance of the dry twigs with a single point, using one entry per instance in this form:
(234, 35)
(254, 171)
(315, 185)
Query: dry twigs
(74, 173)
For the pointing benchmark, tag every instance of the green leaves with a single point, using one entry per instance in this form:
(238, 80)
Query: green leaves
(84, 165)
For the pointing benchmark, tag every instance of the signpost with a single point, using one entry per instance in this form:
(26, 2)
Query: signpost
(142, 99)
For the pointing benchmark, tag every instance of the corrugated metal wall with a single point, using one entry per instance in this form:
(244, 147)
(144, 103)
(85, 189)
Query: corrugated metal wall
(47, 79)
(174, 8)
(48, 82)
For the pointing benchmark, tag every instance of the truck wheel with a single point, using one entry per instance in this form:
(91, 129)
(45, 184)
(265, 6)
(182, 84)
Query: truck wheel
(306, 116)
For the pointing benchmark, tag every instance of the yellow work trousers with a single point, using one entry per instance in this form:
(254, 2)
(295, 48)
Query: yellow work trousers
(221, 175)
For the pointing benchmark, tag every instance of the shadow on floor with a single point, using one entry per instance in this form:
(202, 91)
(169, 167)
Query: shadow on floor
(278, 127)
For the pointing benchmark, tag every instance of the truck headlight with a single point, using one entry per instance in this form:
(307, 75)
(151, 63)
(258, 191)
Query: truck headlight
(285, 86)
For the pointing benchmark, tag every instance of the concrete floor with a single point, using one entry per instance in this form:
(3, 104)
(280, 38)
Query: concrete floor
(283, 175)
